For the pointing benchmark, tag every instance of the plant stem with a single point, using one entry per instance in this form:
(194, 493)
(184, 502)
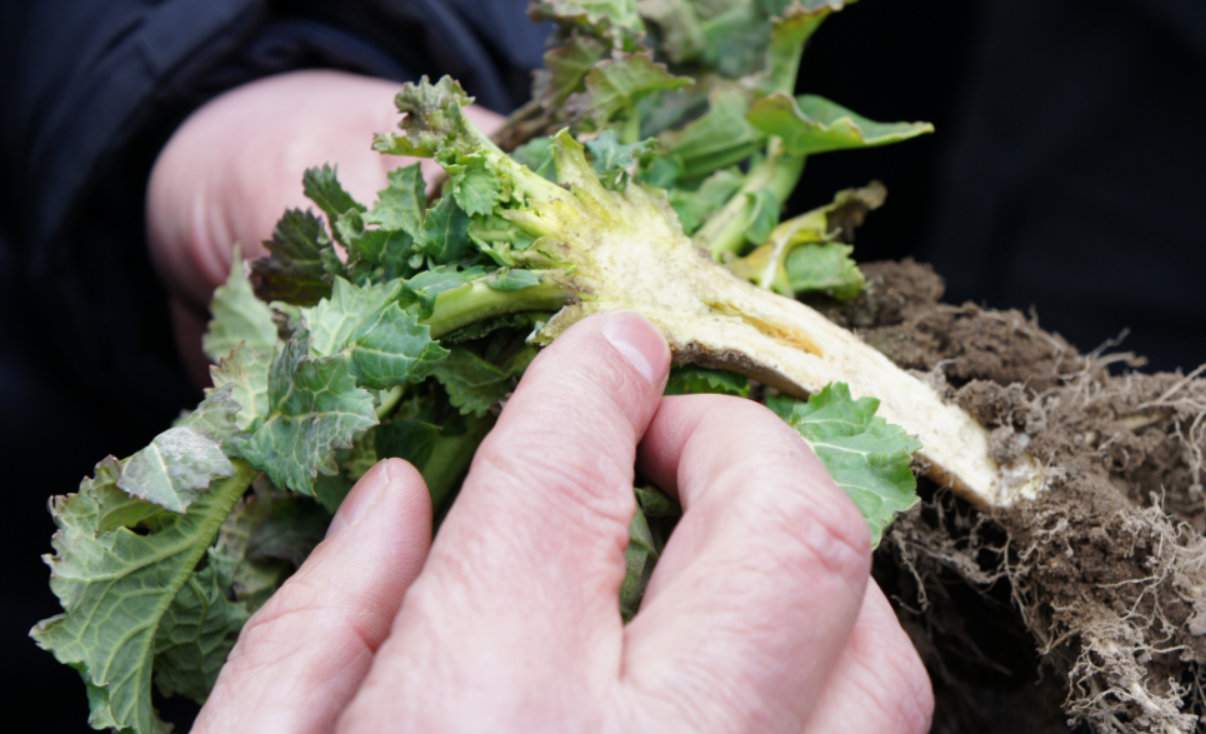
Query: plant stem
(723, 234)
(473, 302)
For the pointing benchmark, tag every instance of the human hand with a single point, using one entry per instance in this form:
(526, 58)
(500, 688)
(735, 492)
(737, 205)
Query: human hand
(759, 616)
(236, 164)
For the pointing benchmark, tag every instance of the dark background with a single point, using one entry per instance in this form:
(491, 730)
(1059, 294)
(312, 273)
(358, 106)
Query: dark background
(1067, 175)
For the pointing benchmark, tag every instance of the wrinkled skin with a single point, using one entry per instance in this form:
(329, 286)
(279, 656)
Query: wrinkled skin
(759, 617)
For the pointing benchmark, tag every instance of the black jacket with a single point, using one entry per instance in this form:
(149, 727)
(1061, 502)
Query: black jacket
(91, 92)
(1066, 173)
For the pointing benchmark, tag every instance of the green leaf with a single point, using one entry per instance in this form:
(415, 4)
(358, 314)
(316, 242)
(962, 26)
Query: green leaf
(682, 37)
(720, 138)
(432, 119)
(441, 452)
(474, 385)
(735, 40)
(867, 457)
(394, 349)
(565, 68)
(789, 34)
(426, 286)
(333, 321)
(315, 408)
(196, 635)
(401, 205)
(639, 559)
(321, 186)
(690, 380)
(614, 20)
(617, 162)
(824, 268)
(537, 154)
(301, 261)
(243, 375)
(801, 257)
(614, 86)
(474, 186)
(694, 207)
(812, 124)
(385, 345)
(177, 466)
(374, 254)
(131, 598)
(238, 317)
(445, 235)
(763, 215)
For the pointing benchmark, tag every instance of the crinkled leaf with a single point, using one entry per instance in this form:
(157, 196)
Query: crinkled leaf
(565, 67)
(321, 186)
(432, 120)
(374, 254)
(315, 408)
(474, 385)
(401, 205)
(237, 316)
(616, 162)
(196, 635)
(177, 466)
(811, 124)
(614, 86)
(301, 261)
(393, 349)
(866, 456)
(445, 235)
(616, 21)
(130, 597)
(333, 321)
(243, 376)
(474, 186)
(385, 345)
(689, 380)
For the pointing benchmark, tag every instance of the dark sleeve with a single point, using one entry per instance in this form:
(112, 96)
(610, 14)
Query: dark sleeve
(90, 92)
(97, 90)
(1073, 176)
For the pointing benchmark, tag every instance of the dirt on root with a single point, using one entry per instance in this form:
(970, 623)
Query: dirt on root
(1086, 608)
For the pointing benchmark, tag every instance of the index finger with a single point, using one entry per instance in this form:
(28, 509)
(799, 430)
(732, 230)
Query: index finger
(759, 586)
(526, 570)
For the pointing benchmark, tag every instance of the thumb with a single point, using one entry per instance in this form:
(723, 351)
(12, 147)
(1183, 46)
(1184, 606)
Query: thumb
(300, 658)
(236, 164)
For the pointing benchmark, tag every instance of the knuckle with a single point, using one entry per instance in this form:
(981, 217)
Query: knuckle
(590, 477)
(827, 532)
(801, 524)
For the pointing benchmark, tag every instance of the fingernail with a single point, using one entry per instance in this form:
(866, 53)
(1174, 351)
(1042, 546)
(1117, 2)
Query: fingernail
(362, 499)
(638, 343)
